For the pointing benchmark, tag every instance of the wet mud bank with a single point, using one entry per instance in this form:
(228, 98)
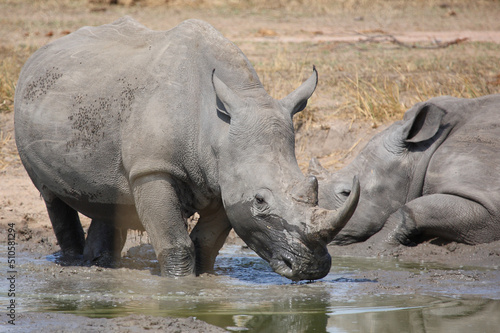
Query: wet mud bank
(359, 294)
(58, 322)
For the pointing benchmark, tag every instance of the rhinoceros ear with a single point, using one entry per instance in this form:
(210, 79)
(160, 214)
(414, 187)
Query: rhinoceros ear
(297, 100)
(422, 122)
(227, 100)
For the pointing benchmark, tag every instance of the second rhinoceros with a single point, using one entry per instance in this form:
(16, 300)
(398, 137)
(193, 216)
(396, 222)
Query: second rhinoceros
(436, 173)
(140, 129)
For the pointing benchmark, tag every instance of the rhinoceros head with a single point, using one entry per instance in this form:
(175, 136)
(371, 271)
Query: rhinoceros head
(270, 204)
(391, 169)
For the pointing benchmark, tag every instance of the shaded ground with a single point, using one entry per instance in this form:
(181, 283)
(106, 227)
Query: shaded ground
(335, 139)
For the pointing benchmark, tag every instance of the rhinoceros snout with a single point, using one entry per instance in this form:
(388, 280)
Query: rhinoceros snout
(298, 268)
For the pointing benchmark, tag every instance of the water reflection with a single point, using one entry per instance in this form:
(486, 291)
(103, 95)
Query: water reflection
(246, 295)
(438, 315)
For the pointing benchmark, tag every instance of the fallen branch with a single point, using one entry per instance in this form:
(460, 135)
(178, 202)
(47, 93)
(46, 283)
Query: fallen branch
(381, 38)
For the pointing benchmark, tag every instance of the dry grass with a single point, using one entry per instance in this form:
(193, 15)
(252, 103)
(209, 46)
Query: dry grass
(375, 82)
(10, 66)
(386, 97)
(11, 61)
(378, 82)
(8, 152)
(375, 99)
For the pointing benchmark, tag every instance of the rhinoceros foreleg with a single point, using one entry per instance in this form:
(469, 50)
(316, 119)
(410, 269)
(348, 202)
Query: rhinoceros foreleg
(208, 237)
(67, 227)
(104, 243)
(160, 212)
(445, 216)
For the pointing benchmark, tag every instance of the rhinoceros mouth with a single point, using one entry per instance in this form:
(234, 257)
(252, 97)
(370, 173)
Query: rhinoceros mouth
(283, 266)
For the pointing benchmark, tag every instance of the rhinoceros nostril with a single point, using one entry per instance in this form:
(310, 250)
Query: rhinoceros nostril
(287, 262)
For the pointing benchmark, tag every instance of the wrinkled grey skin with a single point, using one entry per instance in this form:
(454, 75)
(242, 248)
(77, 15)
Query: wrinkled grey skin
(140, 129)
(433, 174)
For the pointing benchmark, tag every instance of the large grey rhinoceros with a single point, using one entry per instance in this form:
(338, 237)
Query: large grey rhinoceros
(137, 128)
(436, 173)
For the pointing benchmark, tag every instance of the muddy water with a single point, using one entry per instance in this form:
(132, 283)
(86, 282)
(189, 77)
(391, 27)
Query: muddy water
(359, 295)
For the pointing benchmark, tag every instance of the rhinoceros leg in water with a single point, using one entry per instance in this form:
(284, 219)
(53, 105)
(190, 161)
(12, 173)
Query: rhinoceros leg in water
(104, 243)
(67, 227)
(160, 212)
(208, 237)
(440, 215)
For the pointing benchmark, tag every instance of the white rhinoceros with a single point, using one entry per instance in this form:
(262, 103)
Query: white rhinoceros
(436, 173)
(137, 128)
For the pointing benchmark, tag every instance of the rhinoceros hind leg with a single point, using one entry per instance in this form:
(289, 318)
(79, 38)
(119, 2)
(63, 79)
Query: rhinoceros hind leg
(446, 216)
(104, 243)
(208, 237)
(67, 227)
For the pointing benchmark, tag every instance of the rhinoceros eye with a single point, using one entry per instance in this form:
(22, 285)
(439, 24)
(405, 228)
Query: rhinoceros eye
(342, 190)
(261, 203)
(345, 193)
(262, 200)
(260, 206)
(259, 199)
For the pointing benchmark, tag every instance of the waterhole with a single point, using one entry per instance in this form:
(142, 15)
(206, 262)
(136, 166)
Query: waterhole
(358, 295)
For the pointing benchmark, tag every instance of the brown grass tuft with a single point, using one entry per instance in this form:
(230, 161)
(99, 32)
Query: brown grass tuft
(11, 62)
(8, 152)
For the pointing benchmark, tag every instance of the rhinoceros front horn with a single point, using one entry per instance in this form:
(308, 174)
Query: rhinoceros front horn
(325, 224)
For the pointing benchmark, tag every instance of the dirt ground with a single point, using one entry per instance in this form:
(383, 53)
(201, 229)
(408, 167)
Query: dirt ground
(21, 204)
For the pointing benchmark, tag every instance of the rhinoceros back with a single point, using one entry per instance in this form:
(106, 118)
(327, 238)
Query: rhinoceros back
(84, 100)
(71, 98)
